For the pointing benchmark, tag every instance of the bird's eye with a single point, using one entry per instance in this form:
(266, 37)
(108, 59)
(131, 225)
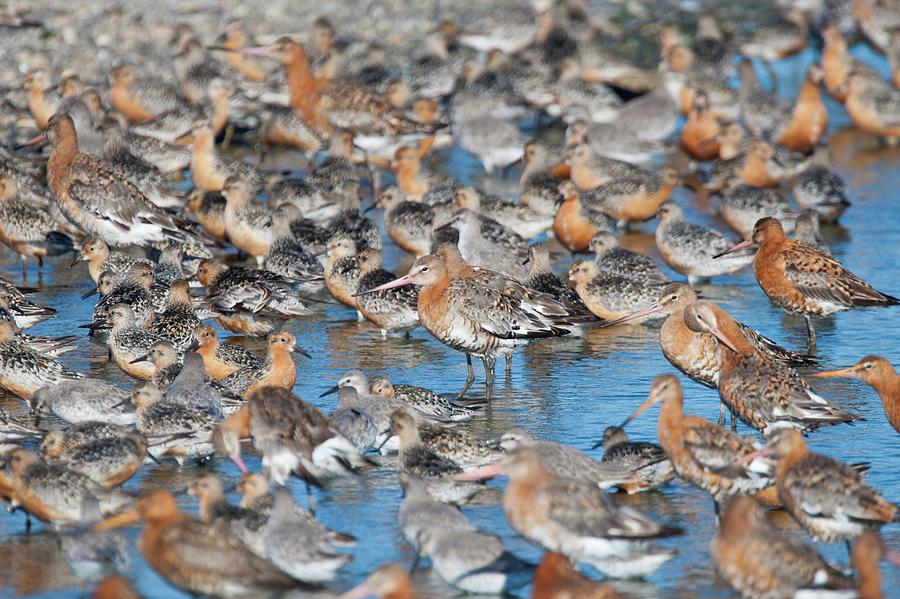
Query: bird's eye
(869, 366)
(424, 269)
(673, 298)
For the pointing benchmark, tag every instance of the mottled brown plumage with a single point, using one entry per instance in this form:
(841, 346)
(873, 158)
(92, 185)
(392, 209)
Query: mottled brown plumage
(761, 562)
(828, 498)
(198, 557)
(764, 393)
(701, 452)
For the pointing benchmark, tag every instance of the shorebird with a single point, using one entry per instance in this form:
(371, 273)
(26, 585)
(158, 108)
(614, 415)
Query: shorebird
(248, 224)
(577, 221)
(566, 461)
(140, 100)
(522, 220)
(803, 280)
(198, 557)
(634, 198)
(54, 493)
(607, 294)
(576, 518)
(28, 230)
(221, 360)
(295, 547)
(759, 561)
(766, 394)
(84, 399)
(695, 354)
(460, 554)
(542, 279)
(292, 436)
(133, 289)
(93, 197)
(648, 460)
(176, 323)
(807, 121)
(692, 249)
(538, 188)
(256, 497)
(821, 190)
(97, 254)
(95, 554)
(487, 243)
(612, 258)
(838, 64)
(828, 498)
(109, 460)
(392, 310)
(128, 343)
(24, 312)
(698, 137)
(881, 376)
(424, 400)
(288, 256)
(328, 103)
(472, 318)
(701, 452)
(24, 371)
(245, 524)
(138, 171)
(742, 205)
(210, 168)
(247, 299)
(180, 431)
(277, 370)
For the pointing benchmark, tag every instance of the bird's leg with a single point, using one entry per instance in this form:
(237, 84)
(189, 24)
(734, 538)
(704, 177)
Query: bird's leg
(721, 414)
(24, 268)
(733, 422)
(27, 522)
(849, 547)
(717, 509)
(470, 377)
(415, 564)
(810, 336)
(772, 76)
(310, 500)
(508, 367)
(489, 362)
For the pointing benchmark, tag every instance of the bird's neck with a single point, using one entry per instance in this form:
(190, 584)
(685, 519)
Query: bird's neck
(303, 89)
(787, 462)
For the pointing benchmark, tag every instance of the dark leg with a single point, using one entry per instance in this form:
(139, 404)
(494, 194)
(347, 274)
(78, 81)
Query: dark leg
(24, 269)
(27, 522)
(489, 362)
(40, 265)
(310, 500)
(849, 550)
(772, 76)
(508, 366)
(810, 335)
(415, 564)
(717, 509)
(470, 377)
(733, 422)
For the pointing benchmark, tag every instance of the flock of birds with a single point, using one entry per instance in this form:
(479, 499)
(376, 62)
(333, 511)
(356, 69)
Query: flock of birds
(160, 259)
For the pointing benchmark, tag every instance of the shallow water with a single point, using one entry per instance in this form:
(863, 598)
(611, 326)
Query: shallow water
(566, 390)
